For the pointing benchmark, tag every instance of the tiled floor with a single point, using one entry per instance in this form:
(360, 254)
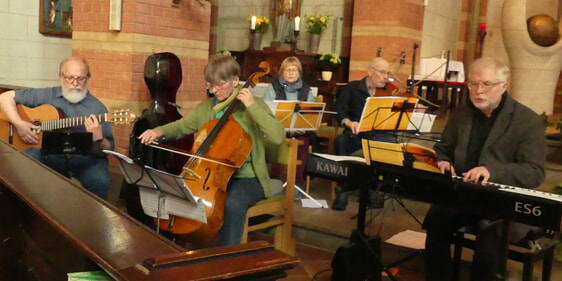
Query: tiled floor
(316, 263)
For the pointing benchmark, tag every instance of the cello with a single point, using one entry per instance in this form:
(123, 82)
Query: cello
(220, 148)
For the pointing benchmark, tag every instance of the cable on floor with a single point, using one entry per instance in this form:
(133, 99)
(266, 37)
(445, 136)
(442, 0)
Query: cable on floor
(320, 272)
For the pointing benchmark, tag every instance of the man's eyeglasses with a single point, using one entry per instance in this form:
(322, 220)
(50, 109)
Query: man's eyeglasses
(382, 72)
(485, 85)
(71, 79)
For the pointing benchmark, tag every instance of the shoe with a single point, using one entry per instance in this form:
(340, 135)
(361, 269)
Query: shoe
(340, 202)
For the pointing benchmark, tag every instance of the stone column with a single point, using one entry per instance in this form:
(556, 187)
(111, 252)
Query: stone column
(534, 69)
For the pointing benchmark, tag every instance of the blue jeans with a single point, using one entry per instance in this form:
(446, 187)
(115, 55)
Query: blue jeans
(92, 172)
(242, 194)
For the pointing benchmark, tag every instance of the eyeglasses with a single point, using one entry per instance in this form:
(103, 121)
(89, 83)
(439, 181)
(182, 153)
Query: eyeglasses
(219, 85)
(485, 85)
(290, 70)
(382, 72)
(71, 79)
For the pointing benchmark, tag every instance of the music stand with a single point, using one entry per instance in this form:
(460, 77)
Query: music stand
(298, 115)
(66, 143)
(163, 195)
(396, 114)
(389, 114)
(411, 156)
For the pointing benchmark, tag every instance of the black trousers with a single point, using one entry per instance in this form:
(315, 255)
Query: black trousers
(490, 247)
(347, 143)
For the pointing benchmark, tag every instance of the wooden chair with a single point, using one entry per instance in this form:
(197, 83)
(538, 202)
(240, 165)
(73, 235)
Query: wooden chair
(279, 206)
(527, 254)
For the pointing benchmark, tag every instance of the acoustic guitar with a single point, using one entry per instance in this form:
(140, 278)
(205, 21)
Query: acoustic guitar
(49, 118)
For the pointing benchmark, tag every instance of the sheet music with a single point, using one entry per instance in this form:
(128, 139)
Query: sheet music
(408, 238)
(155, 202)
(341, 157)
(133, 173)
(161, 191)
(425, 158)
(421, 122)
(298, 115)
(384, 113)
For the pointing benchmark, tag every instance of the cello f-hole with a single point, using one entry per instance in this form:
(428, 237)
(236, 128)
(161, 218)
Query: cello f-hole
(205, 186)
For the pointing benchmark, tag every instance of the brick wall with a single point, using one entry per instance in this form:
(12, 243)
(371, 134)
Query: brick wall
(394, 26)
(117, 57)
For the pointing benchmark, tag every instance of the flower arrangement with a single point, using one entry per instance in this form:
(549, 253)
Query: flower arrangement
(224, 53)
(316, 23)
(329, 60)
(262, 22)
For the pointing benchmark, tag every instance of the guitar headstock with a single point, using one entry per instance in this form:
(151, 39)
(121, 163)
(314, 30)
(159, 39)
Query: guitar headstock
(121, 117)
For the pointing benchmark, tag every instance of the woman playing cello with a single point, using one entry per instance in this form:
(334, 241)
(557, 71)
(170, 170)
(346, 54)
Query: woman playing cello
(251, 182)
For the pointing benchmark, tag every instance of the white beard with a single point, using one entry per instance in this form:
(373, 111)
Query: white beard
(74, 96)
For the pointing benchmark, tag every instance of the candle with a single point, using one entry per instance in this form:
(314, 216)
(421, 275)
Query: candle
(297, 23)
(483, 27)
(253, 24)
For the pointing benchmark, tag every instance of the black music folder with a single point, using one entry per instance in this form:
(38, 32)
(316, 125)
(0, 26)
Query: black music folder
(66, 142)
(162, 194)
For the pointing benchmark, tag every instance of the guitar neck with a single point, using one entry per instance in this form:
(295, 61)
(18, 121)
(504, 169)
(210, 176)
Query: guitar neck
(49, 125)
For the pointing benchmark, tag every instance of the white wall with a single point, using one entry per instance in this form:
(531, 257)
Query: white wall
(440, 28)
(28, 58)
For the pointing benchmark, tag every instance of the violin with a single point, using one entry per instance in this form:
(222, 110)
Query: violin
(390, 89)
(220, 148)
(420, 157)
(396, 88)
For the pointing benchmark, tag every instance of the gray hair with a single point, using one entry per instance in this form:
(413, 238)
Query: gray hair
(82, 60)
(502, 70)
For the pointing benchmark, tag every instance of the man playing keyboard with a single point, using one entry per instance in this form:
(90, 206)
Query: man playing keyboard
(492, 138)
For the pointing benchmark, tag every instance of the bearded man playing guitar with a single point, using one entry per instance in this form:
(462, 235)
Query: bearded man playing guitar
(73, 99)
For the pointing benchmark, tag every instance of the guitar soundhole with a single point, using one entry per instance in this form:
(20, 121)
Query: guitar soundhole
(37, 123)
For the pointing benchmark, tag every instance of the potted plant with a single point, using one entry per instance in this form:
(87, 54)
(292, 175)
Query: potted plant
(327, 62)
(315, 24)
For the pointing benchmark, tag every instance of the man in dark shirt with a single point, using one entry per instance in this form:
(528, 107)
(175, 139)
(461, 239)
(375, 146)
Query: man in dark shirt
(493, 138)
(349, 107)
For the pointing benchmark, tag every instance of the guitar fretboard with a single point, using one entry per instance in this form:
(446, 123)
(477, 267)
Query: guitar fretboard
(49, 125)
(117, 117)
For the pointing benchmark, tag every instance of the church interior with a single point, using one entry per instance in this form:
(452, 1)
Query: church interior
(428, 43)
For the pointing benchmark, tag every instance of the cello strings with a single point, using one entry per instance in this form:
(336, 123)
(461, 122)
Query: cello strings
(159, 146)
